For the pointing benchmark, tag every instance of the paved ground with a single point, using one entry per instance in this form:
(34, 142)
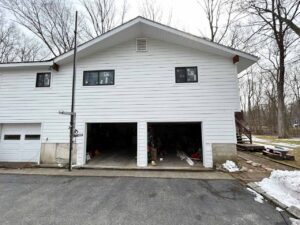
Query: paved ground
(51, 200)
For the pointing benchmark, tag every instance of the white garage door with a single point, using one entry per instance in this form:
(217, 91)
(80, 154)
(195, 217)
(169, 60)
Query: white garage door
(20, 143)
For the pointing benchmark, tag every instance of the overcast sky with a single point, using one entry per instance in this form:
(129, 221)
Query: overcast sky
(187, 15)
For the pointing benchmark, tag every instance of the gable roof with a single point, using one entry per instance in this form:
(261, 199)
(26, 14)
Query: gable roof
(141, 27)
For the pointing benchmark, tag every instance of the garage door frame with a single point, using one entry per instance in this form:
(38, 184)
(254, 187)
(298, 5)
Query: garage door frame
(106, 122)
(204, 148)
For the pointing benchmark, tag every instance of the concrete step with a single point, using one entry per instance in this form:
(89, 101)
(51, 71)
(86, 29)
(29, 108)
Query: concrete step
(148, 168)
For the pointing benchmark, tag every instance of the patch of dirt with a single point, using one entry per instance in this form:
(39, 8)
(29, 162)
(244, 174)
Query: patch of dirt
(256, 168)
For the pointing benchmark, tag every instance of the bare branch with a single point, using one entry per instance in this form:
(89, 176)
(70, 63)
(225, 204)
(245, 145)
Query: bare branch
(50, 20)
(150, 9)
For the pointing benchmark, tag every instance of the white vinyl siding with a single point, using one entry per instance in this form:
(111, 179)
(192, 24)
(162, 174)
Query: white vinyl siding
(144, 91)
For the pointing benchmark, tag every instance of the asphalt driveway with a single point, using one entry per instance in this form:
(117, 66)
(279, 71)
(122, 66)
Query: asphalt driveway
(39, 200)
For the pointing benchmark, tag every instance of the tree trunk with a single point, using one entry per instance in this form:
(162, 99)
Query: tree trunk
(280, 114)
(280, 93)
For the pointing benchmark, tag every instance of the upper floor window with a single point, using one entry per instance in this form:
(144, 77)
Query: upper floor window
(99, 77)
(186, 74)
(43, 79)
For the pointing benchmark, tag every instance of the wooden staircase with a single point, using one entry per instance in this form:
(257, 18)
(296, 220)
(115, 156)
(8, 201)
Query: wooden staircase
(244, 135)
(243, 132)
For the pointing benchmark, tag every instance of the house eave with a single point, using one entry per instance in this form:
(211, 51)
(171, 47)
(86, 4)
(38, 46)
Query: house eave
(26, 65)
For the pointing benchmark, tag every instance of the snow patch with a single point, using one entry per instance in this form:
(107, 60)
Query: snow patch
(271, 144)
(258, 198)
(284, 186)
(287, 145)
(294, 221)
(255, 139)
(279, 209)
(230, 166)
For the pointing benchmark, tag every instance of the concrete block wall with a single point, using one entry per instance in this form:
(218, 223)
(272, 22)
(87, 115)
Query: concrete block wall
(57, 153)
(223, 151)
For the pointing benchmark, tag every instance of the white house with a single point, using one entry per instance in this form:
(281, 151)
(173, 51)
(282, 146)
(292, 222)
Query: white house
(137, 77)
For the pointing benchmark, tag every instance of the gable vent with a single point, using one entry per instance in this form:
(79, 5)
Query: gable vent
(141, 44)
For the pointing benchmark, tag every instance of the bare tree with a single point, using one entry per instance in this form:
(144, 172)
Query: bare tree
(291, 24)
(252, 89)
(124, 10)
(221, 15)
(101, 14)
(52, 21)
(293, 82)
(274, 28)
(29, 49)
(8, 41)
(152, 10)
(288, 16)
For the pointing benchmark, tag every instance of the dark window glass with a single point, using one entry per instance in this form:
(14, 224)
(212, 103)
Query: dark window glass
(180, 75)
(43, 79)
(12, 137)
(91, 78)
(186, 74)
(101, 77)
(32, 137)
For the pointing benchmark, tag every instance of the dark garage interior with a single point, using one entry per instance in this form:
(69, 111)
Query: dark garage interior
(111, 144)
(175, 144)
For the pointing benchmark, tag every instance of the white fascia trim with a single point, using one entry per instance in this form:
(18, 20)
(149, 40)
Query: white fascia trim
(31, 64)
(200, 40)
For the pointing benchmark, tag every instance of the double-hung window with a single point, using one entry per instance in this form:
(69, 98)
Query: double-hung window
(186, 74)
(99, 77)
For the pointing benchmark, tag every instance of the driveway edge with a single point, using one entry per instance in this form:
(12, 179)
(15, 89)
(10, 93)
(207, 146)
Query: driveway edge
(120, 173)
(291, 210)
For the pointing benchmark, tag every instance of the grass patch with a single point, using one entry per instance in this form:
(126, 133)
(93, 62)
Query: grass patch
(273, 140)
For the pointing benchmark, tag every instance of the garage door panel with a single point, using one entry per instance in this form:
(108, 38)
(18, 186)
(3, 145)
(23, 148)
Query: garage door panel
(20, 150)
(8, 152)
(29, 153)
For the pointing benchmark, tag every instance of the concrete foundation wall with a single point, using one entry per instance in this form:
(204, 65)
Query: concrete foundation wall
(57, 153)
(223, 151)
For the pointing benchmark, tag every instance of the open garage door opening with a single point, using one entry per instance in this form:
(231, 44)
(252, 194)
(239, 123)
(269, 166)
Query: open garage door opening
(111, 144)
(175, 144)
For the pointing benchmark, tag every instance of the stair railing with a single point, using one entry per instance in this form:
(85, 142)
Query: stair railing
(242, 129)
